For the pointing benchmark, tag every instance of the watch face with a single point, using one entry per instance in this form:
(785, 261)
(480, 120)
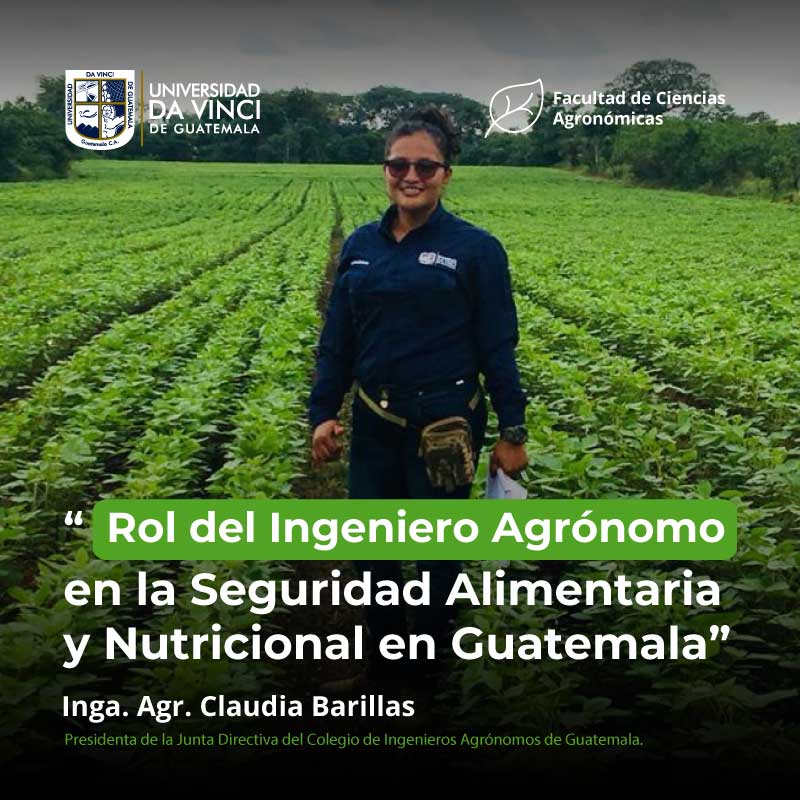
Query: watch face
(515, 435)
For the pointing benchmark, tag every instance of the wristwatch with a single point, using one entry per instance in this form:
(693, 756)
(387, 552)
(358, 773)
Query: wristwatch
(516, 434)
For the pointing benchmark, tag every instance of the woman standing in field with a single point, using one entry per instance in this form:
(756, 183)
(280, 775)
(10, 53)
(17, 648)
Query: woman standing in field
(421, 305)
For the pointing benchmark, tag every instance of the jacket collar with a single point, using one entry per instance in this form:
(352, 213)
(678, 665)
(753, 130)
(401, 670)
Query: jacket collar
(433, 221)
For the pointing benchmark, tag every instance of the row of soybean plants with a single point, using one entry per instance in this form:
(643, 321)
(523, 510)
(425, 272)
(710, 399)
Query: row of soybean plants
(77, 256)
(362, 199)
(77, 293)
(226, 424)
(54, 216)
(701, 290)
(38, 217)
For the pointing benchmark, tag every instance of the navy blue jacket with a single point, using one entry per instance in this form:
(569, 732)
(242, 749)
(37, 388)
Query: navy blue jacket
(435, 306)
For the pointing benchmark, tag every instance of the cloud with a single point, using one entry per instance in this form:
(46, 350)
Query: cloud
(260, 43)
(291, 35)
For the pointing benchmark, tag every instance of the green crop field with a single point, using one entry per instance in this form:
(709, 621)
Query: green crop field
(157, 334)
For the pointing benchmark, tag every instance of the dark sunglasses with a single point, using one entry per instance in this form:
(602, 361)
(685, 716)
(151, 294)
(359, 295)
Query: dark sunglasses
(425, 168)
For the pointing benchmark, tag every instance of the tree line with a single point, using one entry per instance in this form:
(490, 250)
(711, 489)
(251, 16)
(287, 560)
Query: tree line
(706, 147)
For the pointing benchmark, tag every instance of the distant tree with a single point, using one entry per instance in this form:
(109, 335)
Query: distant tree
(776, 169)
(50, 95)
(791, 134)
(32, 143)
(380, 107)
(758, 117)
(665, 154)
(9, 143)
(667, 75)
(689, 154)
(782, 163)
(353, 145)
(724, 153)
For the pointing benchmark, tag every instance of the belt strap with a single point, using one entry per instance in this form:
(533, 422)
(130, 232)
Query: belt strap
(381, 412)
(402, 421)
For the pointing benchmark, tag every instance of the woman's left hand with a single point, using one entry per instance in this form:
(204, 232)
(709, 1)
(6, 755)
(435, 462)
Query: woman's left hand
(511, 458)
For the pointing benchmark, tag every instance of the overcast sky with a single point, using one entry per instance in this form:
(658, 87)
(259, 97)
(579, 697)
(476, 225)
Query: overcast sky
(751, 49)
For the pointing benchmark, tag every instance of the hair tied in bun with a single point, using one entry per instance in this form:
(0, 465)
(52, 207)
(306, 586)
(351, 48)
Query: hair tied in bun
(434, 121)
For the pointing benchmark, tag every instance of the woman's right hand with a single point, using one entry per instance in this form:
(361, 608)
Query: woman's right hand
(324, 445)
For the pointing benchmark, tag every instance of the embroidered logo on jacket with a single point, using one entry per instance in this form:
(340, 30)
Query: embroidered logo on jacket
(437, 258)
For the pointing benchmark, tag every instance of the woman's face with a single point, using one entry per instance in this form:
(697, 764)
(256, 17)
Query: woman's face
(411, 192)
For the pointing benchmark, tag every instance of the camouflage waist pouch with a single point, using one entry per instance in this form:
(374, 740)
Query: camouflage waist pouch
(446, 446)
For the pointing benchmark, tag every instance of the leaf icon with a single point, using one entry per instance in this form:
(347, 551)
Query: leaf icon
(505, 93)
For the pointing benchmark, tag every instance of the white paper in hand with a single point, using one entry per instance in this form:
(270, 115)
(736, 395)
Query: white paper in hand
(501, 487)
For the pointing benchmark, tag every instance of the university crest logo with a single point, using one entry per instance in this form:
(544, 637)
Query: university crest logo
(100, 107)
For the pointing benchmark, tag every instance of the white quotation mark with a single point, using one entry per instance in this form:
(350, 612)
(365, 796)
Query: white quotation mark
(719, 632)
(75, 521)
